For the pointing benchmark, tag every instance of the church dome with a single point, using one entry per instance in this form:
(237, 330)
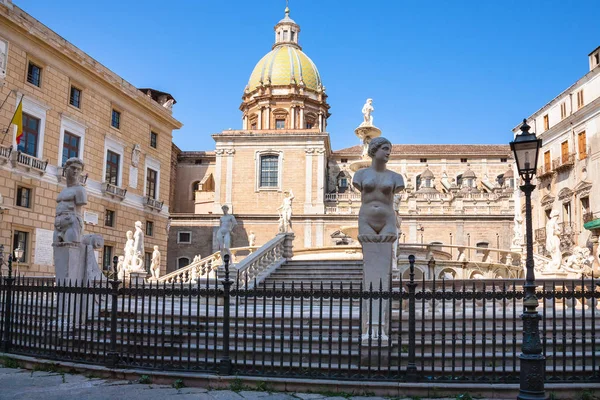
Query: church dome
(285, 65)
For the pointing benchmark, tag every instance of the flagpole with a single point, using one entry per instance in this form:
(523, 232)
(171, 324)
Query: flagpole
(10, 124)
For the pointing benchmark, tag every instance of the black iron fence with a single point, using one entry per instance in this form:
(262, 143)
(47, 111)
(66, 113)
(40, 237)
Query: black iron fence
(446, 331)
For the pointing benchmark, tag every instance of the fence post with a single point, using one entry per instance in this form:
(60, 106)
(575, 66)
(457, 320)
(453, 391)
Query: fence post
(6, 334)
(411, 369)
(225, 365)
(113, 355)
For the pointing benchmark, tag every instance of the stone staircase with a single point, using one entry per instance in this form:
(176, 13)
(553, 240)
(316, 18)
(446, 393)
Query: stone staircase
(315, 273)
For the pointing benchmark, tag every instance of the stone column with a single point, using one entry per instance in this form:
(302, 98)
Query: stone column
(308, 180)
(293, 117)
(319, 208)
(377, 271)
(260, 118)
(320, 121)
(268, 121)
(229, 178)
(302, 117)
(245, 122)
(218, 173)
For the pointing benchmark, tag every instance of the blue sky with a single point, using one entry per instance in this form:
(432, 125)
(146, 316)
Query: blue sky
(438, 71)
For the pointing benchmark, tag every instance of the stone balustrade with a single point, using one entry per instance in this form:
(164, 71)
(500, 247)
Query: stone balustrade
(31, 162)
(153, 203)
(196, 271)
(113, 190)
(5, 152)
(258, 265)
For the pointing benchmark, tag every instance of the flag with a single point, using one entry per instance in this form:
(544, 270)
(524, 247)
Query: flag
(17, 119)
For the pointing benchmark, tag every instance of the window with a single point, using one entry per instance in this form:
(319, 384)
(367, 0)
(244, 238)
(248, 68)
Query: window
(149, 228)
(459, 180)
(580, 99)
(112, 168)
(563, 110)
(253, 126)
(293, 35)
(482, 245)
(198, 162)
(153, 139)
(21, 241)
(423, 160)
(546, 122)
(109, 218)
(107, 256)
(147, 260)
(268, 170)
(582, 145)
(567, 212)
(503, 159)
(343, 183)
(116, 119)
(75, 97)
(463, 160)
(309, 125)
(564, 151)
(31, 132)
(344, 160)
(183, 262)
(70, 147)
(418, 182)
(34, 74)
(23, 197)
(547, 160)
(151, 178)
(280, 124)
(585, 208)
(184, 237)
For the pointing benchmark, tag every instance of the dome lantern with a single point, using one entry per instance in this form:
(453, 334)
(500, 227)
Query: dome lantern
(287, 31)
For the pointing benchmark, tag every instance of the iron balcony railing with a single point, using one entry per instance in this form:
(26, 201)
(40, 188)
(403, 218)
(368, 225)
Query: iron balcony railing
(540, 235)
(31, 162)
(113, 190)
(563, 162)
(467, 331)
(153, 203)
(5, 152)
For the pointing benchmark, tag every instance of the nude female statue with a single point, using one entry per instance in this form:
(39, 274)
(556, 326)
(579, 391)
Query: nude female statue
(367, 110)
(228, 222)
(69, 222)
(553, 241)
(378, 186)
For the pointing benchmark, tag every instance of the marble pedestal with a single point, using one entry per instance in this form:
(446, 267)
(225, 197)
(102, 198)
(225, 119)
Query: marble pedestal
(378, 251)
(137, 278)
(69, 269)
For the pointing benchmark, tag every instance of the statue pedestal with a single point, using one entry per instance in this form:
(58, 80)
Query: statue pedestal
(69, 270)
(137, 278)
(378, 251)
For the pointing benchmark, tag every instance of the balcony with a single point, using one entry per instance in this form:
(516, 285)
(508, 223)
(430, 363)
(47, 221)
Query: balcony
(113, 190)
(567, 235)
(564, 162)
(153, 203)
(31, 162)
(591, 220)
(349, 196)
(545, 171)
(540, 235)
(5, 154)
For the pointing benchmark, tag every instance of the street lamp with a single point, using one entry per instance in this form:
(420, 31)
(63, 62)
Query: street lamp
(18, 255)
(526, 147)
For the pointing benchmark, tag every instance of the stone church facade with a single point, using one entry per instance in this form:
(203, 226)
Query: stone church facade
(455, 194)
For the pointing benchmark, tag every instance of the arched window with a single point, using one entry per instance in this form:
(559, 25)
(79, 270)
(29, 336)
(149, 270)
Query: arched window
(183, 262)
(418, 182)
(459, 180)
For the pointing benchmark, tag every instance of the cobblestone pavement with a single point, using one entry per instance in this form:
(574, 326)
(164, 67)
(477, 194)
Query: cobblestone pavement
(19, 384)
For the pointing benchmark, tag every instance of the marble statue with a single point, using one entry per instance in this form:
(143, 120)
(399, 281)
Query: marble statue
(197, 258)
(251, 239)
(155, 265)
(378, 186)
(121, 271)
(286, 212)
(128, 250)
(135, 155)
(377, 232)
(169, 104)
(367, 110)
(517, 231)
(68, 223)
(553, 242)
(137, 263)
(227, 223)
(580, 262)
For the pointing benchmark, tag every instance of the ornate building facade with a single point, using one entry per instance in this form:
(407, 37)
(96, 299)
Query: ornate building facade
(569, 161)
(75, 107)
(455, 194)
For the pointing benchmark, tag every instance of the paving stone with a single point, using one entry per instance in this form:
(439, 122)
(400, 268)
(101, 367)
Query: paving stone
(335, 398)
(225, 395)
(252, 394)
(366, 398)
(308, 396)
